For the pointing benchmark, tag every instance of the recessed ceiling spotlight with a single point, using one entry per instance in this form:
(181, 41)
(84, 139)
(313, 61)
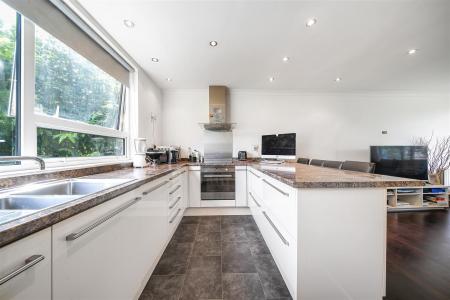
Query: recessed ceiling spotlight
(271, 79)
(285, 59)
(128, 23)
(311, 22)
(154, 59)
(213, 43)
(338, 79)
(169, 79)
(412, 51)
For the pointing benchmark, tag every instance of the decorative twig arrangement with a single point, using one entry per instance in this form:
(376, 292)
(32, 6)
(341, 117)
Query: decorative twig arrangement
(438, 153)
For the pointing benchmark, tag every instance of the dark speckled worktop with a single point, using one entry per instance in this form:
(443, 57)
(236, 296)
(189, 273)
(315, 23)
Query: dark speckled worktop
(293, 174)
(20, 228)
(306, 176)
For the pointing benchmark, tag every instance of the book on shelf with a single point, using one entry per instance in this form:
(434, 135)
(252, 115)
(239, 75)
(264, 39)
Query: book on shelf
(435, 199)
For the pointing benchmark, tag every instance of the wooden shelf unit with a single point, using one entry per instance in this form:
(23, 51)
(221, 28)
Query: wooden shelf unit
(417, 198)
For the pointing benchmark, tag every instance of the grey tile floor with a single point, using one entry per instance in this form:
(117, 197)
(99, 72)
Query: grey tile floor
(216, 257)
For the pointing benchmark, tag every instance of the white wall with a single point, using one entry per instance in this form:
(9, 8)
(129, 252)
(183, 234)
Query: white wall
(149, 98)
(328, 126)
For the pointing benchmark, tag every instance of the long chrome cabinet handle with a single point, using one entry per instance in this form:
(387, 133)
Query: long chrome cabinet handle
(86, 229)
(29, 262)
(176, 189)
(154, 188)
(172, 178)
(257, 176)
(175, 203)
(174, 217)
(276, 229)
(218, 176)
(274, 187)
(254, 200)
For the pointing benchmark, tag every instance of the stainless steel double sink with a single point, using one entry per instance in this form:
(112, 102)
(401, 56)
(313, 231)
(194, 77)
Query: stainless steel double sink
(31, 198)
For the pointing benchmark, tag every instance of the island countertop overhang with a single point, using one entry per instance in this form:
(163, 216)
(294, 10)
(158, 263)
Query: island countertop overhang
(307, 176)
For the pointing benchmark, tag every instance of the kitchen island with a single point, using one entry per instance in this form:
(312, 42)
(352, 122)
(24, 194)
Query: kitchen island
(325, 228)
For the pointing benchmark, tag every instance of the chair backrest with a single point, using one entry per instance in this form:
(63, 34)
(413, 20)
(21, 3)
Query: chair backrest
(332, 164)
(316, 162)
(302, 160)
(359, 166)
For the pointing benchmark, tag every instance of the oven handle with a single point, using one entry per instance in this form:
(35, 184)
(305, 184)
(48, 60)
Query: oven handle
(218, 176)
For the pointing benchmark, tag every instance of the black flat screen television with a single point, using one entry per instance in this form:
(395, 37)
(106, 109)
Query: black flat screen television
(278, 146)
(401, 161)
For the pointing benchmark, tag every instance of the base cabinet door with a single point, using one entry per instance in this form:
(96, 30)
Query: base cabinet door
(25, 268)
(150, 225)
(241, 188)
(101, 253)
(194, 187)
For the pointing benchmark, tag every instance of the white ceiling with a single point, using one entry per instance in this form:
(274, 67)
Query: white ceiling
(363, 42)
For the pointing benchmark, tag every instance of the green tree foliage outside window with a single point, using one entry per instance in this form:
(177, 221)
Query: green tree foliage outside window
(71, 87)
(59, 143)
(7, 51)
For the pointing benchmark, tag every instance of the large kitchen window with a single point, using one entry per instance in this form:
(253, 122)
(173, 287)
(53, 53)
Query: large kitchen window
(8, 76)
(69, 86)
(69, 105)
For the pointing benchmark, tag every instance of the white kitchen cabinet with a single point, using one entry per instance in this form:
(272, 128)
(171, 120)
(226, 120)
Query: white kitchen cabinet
(241, 187)
(254, 182)
(194, 186)
(176, 203)
(31, 255)
(111, 259)
(185, 182)
(281, 200)
(301, 237)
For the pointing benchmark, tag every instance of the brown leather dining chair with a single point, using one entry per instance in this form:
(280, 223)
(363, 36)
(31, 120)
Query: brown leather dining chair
(332, 164)
(316, 162)
(302, 160)
(358, 166)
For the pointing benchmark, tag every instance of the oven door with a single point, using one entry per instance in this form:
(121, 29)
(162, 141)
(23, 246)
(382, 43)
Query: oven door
(217, 183)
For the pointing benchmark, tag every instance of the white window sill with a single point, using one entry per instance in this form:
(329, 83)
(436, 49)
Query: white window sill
(54, 165)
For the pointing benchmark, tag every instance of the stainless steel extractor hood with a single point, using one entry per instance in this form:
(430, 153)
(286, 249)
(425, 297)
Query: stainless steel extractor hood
(218, 110)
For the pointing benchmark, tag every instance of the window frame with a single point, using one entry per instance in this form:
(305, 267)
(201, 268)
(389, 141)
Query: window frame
(15, 91)
(28, 120)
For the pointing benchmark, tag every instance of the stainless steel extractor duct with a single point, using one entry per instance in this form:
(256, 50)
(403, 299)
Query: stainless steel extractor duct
(218, 110)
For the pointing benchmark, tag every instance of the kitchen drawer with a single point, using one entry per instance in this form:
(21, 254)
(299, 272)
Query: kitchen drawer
(161, 185)
(281, 200)
(255, 207)
(174, 218)
(254, 182)
(177, 175)
(282, 247)
(176, 201)
(175, 191)
(29, 259)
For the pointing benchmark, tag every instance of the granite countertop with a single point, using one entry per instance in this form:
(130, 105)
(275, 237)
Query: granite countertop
(307, 176)
(293, 174)
(24, 226)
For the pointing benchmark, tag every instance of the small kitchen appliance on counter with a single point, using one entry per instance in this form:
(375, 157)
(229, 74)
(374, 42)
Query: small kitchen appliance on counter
(242, 155)
(163, 155)
(140, 145)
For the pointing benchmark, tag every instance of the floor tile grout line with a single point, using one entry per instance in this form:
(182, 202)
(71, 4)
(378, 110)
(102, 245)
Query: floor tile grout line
(187, 265)
(259, 277)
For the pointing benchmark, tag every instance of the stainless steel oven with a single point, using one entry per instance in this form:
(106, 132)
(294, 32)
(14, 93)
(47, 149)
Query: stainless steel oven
(218, 182)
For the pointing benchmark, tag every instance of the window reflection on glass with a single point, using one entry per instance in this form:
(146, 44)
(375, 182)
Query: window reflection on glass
(59, 143)
(8, 136)
(71, 87)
